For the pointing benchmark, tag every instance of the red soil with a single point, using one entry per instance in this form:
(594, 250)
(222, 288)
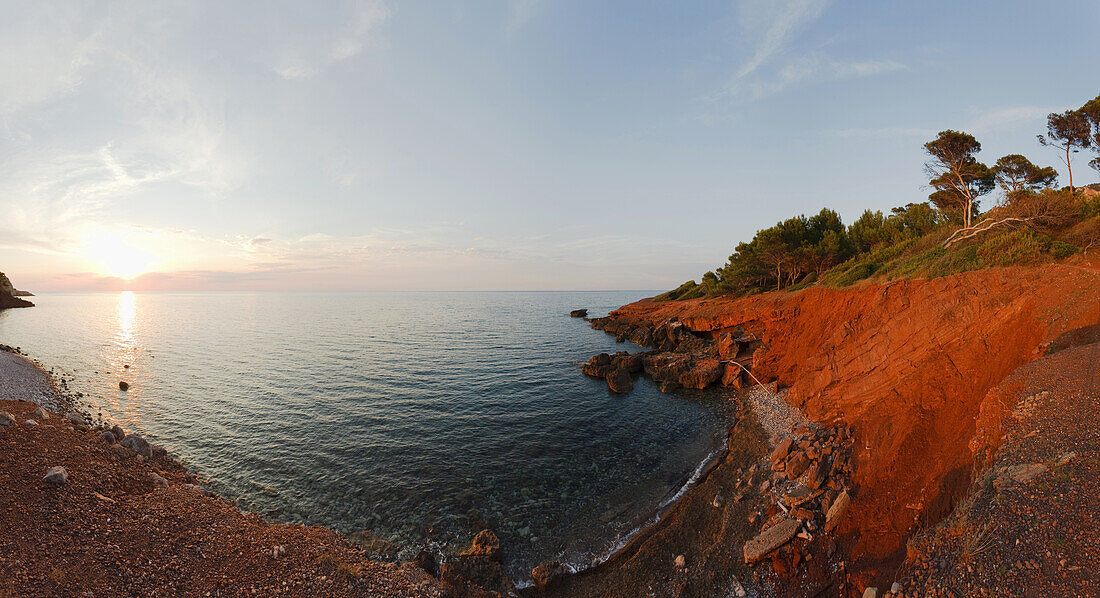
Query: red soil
(908, 365)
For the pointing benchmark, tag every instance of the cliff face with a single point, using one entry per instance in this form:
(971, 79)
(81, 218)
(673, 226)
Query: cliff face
(909, 365)
(9, 296)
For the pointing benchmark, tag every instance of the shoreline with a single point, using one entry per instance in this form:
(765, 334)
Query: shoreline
(176, 536)
(66, 402)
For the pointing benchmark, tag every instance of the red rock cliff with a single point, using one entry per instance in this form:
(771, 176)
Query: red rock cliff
(909, 365)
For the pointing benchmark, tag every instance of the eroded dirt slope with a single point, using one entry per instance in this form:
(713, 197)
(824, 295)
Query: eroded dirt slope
(907, 364)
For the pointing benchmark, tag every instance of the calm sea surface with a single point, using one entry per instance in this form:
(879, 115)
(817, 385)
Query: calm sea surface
(422, 417)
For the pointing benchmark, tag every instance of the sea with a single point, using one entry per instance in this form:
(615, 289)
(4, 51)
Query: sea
(420, 418)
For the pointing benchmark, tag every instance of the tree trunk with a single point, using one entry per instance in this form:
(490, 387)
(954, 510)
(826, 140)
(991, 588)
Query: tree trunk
(1069, 168)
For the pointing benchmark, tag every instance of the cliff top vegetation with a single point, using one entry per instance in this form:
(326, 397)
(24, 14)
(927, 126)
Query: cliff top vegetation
(1031, 220)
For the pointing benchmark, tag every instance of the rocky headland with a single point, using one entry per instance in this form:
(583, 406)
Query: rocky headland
(914, 391)
(10, 296)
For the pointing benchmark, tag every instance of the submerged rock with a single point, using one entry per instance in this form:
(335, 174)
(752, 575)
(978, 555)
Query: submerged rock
(374, 544)
(123, 385)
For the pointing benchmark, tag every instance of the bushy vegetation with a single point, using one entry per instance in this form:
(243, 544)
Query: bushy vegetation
(945, 235)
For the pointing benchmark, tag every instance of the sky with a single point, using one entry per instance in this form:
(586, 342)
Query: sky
(511, 144)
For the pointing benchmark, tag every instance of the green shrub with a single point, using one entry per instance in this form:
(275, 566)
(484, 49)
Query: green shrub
(1060, 250)
(1016, 248)
(953, 262)
(857, 273)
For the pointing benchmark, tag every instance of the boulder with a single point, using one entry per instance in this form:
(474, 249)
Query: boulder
(620, 381)
(107, 437)
(728, 347)
(77, 420)
(819, 473)
(118, 432)
(731, 376)
(56, 475)
(770, 539)
(782, 450)
(138, 445)
(6, 419)
(40, 414)
(158, 481)
(832, 518)
(578, 313)
(485, 543)
(479, 566)
(599, 366)
(548, 574)
(797, 464)
(702, 374)
(159, 452)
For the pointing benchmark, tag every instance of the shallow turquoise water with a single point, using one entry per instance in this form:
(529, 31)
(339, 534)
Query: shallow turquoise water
(420, 416)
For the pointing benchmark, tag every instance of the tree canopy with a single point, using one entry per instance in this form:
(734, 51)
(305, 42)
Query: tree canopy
(957, 176)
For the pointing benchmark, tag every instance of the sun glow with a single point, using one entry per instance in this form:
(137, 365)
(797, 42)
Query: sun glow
(116, 257)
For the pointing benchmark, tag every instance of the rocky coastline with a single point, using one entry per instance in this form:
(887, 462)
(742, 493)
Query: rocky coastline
(910, 385)
(867, 422)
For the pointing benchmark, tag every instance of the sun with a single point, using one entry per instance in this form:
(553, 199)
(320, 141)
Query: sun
(115, 257)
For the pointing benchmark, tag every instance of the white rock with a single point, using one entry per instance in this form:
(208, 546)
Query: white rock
(31, 422)
(870, 593)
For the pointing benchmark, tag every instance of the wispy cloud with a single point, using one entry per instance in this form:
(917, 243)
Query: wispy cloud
(310, 54)
(773, 67)
(774, 23)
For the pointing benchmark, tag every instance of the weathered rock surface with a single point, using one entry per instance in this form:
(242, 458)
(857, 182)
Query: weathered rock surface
(138, 444)
(479, 566)
(56, 475)
(620, 381)
(770, 539)
(547, 575)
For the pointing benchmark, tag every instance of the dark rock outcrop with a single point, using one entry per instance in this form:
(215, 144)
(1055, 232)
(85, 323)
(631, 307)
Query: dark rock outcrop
(620, 381)
(548, 574)
(9, 296)
(479, 567)
(578, 313)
